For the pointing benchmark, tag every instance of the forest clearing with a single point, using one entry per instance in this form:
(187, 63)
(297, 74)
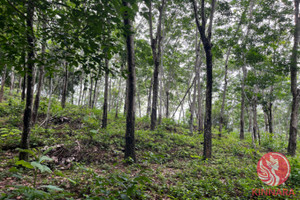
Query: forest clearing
(152, 99)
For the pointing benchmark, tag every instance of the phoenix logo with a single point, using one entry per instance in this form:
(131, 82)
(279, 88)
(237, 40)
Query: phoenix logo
(273, 169)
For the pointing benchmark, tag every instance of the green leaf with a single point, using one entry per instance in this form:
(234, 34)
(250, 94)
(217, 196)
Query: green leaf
(24, 164)
(52, 187)
(43, 158)
(42, 168)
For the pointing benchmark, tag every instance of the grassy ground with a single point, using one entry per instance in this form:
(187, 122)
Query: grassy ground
(87, 162)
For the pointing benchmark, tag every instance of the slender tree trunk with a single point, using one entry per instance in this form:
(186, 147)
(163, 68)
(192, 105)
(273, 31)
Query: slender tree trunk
(130, 114)
(223, 99)
(266, 121)
(117, 100)
(167, 102)
(200, 114)
(65, 87)
(95, 93)
(49, 102)
(250, 128)
(126, 97)
(149, 98)
(12, 80)
(156, 52)
(30, 68)
(292, 146)
(105, 108)
(206, 41)
(270, 119)
(80, 90)
(39, 87)
(23, 95)
(91, 92)
(20, 84)
(3, 79)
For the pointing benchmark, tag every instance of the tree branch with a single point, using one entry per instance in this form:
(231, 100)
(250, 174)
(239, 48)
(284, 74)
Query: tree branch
(16, 9)
(213, 5)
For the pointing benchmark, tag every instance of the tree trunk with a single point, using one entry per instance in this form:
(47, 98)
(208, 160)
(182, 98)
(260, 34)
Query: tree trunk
(20, 84)
(12, 80)
(156, 52)
(130, 114)
(126, 97)
(167, 102)
(105, 108)
(292, 146)
(250, 128)
(80, 90)
(118, 97)
(206, 41)
(30, 68)
(3, 79)
(49, 102)
(23, 95)
(95, 94)
(270, 117)
(149, 98)
(91, 92)
(65, 88)
(39, 88)
(266, 121)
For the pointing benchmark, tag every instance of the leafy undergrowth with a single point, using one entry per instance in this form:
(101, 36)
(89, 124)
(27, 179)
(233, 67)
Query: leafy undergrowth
(74, 159)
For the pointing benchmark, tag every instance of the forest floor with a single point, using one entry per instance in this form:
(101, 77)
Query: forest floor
(87, 162)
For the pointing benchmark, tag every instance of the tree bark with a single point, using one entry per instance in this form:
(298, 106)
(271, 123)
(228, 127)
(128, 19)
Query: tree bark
(80, 90)
(126, 97)
(65, 87)
(130, 114)
(3, 79)
(156, 52)
(12, 80)
(270, 117)
(292, 146)
(149, 98)
(95, 93)
(206, 41)
(250, 128)
(39, 87)
(105, 107)
(91, 91)
(23, 95)
(30, 69)
(49, 102)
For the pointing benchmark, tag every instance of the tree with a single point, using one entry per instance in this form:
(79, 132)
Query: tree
(130, 114)
(3, 78)
(295, 91)
(30, 68)
(156, 53)
(104, 116)
(40, 85)
(206, 41)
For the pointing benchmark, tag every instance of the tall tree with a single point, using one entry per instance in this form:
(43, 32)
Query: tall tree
(30, 66)
(206, 41)
(40, 84)
(130, 114)
(3, 78)
(65, 86)
(156, 53)
(105, 104)
(295, 91)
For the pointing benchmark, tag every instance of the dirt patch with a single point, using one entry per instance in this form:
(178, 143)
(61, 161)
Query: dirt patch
(82, 151)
